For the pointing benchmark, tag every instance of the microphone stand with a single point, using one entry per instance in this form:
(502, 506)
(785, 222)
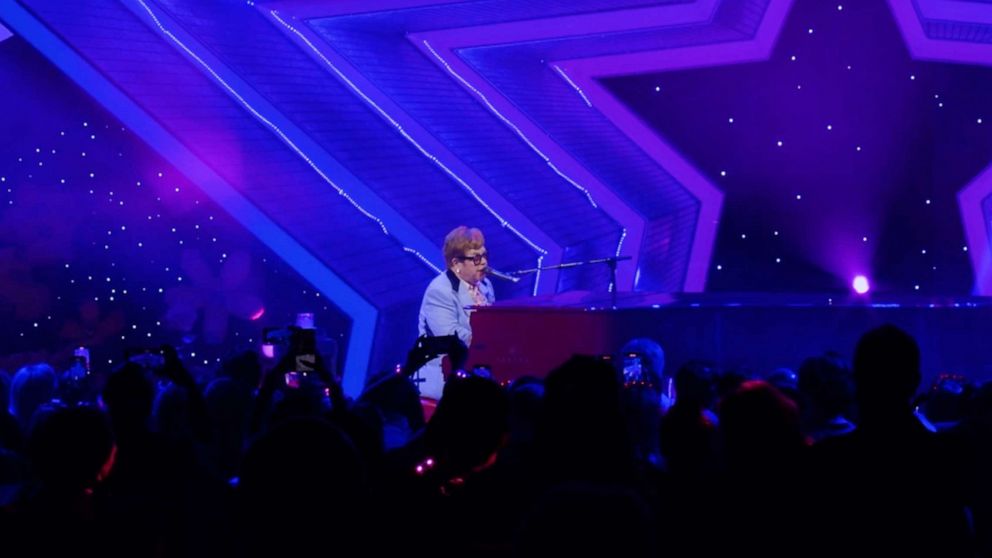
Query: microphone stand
(611, 262)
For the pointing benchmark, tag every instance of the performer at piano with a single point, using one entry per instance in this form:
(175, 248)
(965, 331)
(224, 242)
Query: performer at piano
(447, 304)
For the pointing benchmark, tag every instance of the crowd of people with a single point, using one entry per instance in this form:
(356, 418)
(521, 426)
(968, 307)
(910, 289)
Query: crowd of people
(832, 458)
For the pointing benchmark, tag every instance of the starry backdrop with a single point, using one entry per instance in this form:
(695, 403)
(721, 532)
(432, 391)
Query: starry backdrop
(838, 156)
(103, 244)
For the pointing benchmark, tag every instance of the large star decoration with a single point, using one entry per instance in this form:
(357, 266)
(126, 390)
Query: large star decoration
(537, 70)
(839, 155)
(943, 30)
(541, 73)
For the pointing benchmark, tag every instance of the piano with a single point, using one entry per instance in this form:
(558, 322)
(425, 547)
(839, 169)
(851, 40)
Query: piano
(532, 336)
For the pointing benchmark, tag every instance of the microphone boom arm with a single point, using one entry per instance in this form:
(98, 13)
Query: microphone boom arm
(611, 262)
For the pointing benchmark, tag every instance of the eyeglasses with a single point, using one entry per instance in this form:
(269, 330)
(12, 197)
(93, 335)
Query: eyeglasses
(476, 259)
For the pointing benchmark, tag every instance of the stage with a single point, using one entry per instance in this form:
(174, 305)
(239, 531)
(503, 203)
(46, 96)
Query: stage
(753, 332)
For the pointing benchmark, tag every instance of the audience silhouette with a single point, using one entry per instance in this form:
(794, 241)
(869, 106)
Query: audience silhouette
(832, 460)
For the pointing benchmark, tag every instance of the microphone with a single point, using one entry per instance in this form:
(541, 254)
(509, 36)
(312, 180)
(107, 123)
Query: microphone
(501, 275)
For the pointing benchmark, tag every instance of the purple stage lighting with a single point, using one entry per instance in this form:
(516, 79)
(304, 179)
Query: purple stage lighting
(860, 284)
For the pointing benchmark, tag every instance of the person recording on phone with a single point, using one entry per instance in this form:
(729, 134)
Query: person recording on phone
(449, 299)
(301, 383)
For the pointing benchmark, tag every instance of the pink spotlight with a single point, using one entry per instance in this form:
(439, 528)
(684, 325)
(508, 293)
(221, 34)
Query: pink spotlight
(258, 314)
(860, 284)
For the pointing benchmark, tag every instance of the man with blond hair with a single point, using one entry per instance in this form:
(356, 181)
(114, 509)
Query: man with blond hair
(451, 296)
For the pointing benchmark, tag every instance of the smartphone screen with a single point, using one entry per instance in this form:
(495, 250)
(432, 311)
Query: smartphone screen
(305, 350)
(292, 379)
(632, 369)
(146, 357)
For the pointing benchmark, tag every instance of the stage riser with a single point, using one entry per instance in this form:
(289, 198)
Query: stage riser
(518, 341)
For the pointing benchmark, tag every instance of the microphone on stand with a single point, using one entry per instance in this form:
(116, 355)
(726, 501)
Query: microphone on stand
(501, 275)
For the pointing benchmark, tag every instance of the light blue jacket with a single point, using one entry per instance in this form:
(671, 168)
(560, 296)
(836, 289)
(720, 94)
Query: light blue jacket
(444, 309)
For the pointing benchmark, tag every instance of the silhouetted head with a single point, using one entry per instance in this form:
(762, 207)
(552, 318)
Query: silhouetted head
(945, 403)
(171, 413)
(300, 460)
(582, 434)
(397, 398)
(980, 405)
(226, 402)
(526, 399)
(886, 369)
(128, 395)
(307, 400)
(302, 485)
(730, 380)
(825, 387)
(470, 421)
(695, 384)
(786, 381)
(581, 390)
(71, 448)
(243, 368)
(32, 386)
(760, 427)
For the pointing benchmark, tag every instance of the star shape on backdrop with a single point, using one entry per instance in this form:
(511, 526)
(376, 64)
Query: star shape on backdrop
(947, 31)
(840, 155)
(537, 70)
(510, 59)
